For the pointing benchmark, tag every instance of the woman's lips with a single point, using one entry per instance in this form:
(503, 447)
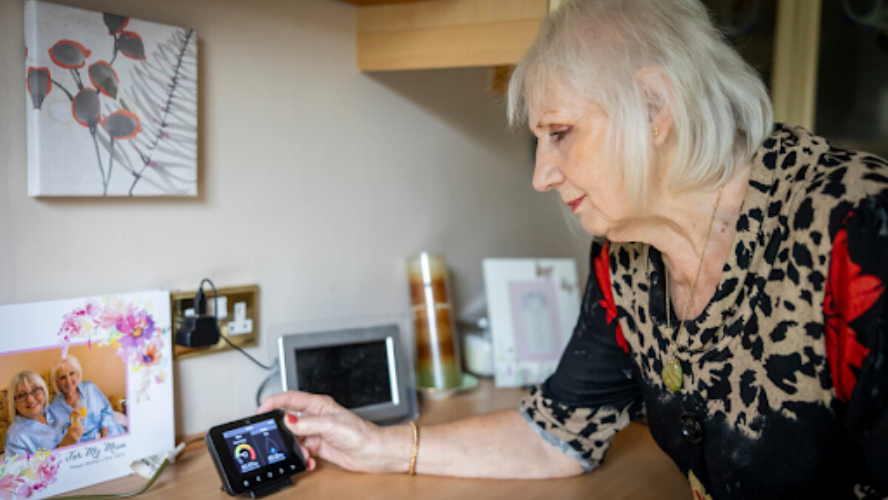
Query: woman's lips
(574, 204)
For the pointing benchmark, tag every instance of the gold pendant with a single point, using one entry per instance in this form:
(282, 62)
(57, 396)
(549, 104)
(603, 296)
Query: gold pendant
(672, 374)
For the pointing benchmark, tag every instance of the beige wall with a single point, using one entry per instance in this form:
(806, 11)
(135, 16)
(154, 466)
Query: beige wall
(316, 181)
(101, 366)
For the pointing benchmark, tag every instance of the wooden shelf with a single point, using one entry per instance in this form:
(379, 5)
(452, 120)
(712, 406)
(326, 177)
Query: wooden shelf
(447, 33)
(365, 3)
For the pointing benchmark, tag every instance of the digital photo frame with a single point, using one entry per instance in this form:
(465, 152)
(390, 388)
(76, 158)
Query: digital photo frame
(364, 369)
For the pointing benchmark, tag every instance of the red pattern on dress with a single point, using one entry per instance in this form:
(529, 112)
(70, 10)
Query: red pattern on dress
(601, 265)
(848, 295)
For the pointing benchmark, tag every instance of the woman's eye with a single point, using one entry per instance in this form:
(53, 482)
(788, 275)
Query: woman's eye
(558, 135)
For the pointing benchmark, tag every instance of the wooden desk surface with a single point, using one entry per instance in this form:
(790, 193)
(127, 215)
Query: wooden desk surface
(635, 468)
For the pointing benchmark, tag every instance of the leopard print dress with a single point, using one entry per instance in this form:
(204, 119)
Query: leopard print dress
(786, 369)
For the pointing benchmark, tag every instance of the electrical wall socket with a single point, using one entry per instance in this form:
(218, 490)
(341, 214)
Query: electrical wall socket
(242, 329)
(222, 302)
(241, 324)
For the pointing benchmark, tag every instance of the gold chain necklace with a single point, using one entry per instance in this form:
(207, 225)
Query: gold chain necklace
(672, 374)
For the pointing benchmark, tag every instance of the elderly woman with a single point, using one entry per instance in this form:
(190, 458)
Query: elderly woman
(75, 394)
(35, 427)
(736, 292)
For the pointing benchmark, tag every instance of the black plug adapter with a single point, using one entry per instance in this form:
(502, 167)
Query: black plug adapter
(200, 303)
(202, 331)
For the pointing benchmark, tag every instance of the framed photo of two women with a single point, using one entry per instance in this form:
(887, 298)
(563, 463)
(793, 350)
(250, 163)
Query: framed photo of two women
(85, 389)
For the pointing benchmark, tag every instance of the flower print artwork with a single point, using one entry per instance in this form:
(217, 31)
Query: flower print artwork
(151, 354)
(127, 325)
(39, 85)
(137, 329)
(28, 477)
(112, 104)
(78, 323)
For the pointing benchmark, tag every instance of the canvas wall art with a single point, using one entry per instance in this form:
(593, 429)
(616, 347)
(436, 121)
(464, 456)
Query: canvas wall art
(533, 305)
(112, 104)
(86, 389)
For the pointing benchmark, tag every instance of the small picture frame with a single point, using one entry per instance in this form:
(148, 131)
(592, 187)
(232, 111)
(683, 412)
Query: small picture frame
(533, 305)
(103, 364)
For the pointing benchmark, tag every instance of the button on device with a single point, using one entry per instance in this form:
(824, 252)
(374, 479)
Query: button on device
(281, 470)
(270, 474)
(691, 428)
(247, 484)
(292, 467)
(258, 479)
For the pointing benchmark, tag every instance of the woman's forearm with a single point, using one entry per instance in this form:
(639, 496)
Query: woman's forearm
(494, 445)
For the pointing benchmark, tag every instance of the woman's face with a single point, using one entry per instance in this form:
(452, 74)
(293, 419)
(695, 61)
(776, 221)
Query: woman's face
(68, 378)
(29, 400)
(571, 159)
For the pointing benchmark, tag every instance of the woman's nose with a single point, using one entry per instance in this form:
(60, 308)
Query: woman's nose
(546, 173)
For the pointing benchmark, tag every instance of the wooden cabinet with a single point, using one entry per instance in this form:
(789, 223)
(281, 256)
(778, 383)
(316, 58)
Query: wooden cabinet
(446, 33)
(366, 3)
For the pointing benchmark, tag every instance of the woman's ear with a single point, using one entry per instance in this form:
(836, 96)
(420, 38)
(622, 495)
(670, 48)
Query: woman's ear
(656, 90)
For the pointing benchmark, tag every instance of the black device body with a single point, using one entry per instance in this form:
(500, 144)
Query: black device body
(255, 456)
(202, 331)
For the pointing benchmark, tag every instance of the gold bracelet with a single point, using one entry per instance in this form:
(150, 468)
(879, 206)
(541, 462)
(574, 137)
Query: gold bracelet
(414, 452)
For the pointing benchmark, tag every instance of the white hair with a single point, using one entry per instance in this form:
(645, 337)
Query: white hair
(69, 360)
(595, 48)
(27, 378)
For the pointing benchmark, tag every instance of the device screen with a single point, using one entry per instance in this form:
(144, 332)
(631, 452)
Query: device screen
(355, 375)
(256, 445)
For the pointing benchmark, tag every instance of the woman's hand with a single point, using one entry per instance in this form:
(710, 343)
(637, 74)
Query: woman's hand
(327, 430)
(75, 416)
(75, 432)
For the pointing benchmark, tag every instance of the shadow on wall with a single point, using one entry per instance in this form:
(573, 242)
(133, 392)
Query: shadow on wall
(462, 98)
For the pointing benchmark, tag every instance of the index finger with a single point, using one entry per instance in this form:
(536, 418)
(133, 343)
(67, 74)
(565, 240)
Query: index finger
(293, 401)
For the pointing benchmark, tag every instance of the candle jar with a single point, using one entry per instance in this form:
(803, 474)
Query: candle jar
(437, 348)
(477, 347)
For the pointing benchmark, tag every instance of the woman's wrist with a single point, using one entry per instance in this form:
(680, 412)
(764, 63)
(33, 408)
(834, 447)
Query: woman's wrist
(396, 443)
